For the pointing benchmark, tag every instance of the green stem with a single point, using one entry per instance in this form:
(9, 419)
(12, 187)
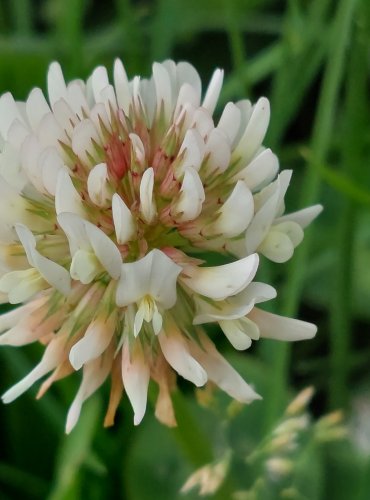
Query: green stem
(353, 158)
(320, 144)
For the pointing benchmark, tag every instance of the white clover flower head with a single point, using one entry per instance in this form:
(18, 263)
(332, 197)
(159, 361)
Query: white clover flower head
(108, 191)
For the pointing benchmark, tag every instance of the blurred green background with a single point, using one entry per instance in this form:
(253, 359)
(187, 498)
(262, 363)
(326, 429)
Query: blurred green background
(311, 58)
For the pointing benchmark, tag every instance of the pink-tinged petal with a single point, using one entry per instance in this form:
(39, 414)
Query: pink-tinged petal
(55, 83)
(124, 223)
(52, 272)
(94, 375)
(254, 133)
(236, 213)
(236, 336)
(147, 203)
(277, 247)
(230, 121)
(272, 326)
(260, 171)
(33, 326)
(213, 91)
(9, 112)
(122, 87)
(67, 198)
(53, 355)
(94, 343)
(36, 107)
(98, 187)
(189, 205)
(221, 372)
(176, 352)
(220, 282)
(11, 318)
(135, 376)
(302, 217)
(155, 275)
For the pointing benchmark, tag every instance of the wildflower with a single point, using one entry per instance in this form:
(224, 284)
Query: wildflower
(108, 193)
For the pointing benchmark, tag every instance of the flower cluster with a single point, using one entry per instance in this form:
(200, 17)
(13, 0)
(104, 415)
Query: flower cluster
(109, 194)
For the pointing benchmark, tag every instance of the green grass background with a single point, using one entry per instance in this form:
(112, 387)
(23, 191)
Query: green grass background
(312, 59)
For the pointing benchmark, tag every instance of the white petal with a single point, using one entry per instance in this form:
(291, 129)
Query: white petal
(76, 97)
(292, 229)
(233, 307)
(17, 134)
(187, 95)
(56, 84)
(30, 153)
(236, 336)
(97, 185)
(50, 163)
(260, 171)
(277, 327)
(186, 73)
(84, 266)
(20, 286)
(217, 152)
(11, 167)
(221, 372)
(122, 86)
(261, 222)
(236, 213)
(175, 351)
(213, 91)
(94, 375)
(220, 282)
(67, 199)
(50, 133)
(135, 376)
(99, 80)
(230, 121)
(83, 138)
(124, 223)
(302, 217)
(9, 112)
(95, 341)
(52, 357)
(254, 132)
(74, 228)
(277, 246)
(65, 116)
(36, 107)
(190, 202)
(202, 122)
(52, 272)
(147, 202)
(192, 149)
(163, 89)
(155, 274)
(138, 149)
(105, 250)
